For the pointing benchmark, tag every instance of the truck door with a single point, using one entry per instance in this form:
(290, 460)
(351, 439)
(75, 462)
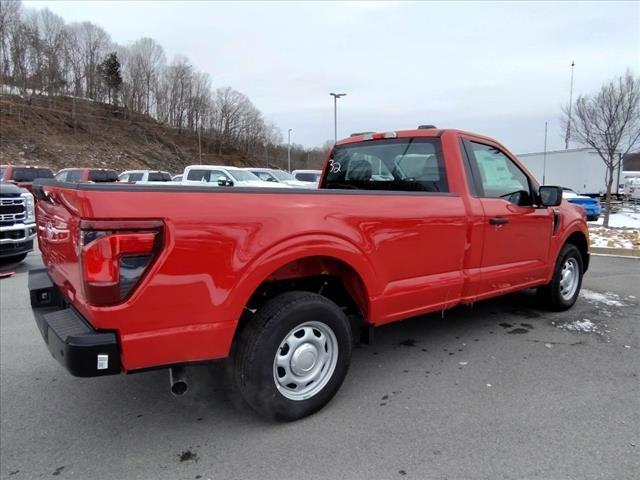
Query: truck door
(517, 234)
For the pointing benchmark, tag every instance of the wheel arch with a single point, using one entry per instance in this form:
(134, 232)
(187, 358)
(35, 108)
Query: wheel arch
(580, 241)
(331, 266)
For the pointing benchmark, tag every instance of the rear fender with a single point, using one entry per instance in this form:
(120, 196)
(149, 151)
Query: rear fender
(298, 248)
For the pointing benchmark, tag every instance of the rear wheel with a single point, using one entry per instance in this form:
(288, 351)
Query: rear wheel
(293, 356)
(563, 289)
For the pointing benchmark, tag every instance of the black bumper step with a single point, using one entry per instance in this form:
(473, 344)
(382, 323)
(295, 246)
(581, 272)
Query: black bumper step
(72, 341)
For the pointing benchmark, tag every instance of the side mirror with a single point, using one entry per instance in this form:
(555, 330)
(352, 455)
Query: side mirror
(223, 182)
(550, 196)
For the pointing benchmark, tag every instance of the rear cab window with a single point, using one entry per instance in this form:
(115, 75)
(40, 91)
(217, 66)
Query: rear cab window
(307, 176)
(399, 164)
(23, 174)
(159, 177)
(103, 176)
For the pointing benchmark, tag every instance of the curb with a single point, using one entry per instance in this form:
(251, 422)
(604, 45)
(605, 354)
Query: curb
(622, 252)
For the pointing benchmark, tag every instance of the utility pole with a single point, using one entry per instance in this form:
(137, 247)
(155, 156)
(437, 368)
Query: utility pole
(336, 96)
(199, 144)
(568, 134)
(289, 150)
(544, 157)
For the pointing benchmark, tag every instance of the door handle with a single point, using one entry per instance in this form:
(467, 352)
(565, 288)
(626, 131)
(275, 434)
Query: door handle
(498, 221)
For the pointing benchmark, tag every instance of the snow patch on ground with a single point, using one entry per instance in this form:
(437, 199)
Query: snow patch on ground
(623, 231)
(614, 237)
(608, 298)
(627, 217)
(581, 326)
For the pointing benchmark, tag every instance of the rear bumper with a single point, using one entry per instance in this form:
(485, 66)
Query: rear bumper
(72, 341)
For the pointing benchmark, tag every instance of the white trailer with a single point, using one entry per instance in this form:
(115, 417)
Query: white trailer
(580, 169)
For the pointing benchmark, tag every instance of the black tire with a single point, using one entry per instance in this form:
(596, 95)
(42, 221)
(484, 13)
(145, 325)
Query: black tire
(253, 357)
(551, 294)
(13, 259)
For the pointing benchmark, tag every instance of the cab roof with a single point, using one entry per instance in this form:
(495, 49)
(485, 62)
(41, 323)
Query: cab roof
(430, 132)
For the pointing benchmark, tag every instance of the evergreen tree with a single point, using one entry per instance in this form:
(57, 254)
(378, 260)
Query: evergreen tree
(109, 71)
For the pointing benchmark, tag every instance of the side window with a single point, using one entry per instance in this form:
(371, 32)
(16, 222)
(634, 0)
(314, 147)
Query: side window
(215, 174)
(499, 176)
(135, 177)
(198, 175)
(62, 176)
(74, 176)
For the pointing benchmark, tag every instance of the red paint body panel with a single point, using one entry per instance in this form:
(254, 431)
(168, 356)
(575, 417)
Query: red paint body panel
(411, 253)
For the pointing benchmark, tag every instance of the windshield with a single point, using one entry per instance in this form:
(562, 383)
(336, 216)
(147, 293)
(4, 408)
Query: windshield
(282, 175)
(264, 175)
(24, 174)
(404, 164)
(243, 176)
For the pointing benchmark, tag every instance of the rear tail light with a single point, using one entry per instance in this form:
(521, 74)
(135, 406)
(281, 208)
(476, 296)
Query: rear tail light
(115, 256)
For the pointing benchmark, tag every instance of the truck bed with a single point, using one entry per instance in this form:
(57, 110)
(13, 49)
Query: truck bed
(219, 245)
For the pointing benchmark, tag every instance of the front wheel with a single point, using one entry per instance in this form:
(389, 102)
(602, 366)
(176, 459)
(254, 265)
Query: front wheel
(563, 289)
(293, 356)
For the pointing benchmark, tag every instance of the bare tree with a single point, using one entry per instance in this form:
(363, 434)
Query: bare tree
(41, 54)
(9, 21)
(149, 57)
(608, 122)
(93, 43)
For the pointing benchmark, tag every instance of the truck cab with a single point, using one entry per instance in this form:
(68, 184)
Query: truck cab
(23, 175)
(95, 175)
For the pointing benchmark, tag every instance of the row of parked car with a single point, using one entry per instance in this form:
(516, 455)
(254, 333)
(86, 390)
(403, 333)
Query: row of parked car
(17, 215)
(213, 175)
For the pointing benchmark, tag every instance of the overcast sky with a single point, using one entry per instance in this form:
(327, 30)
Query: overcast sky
(500, 69)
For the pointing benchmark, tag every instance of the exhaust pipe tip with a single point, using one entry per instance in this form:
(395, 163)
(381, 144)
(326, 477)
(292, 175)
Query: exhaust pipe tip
(179, 388)
(178, 381)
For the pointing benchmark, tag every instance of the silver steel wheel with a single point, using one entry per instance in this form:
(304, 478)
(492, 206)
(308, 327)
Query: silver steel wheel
(305, 360)
(569, 277)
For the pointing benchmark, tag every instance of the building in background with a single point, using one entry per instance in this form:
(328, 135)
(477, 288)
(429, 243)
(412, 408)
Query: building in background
(580, 169)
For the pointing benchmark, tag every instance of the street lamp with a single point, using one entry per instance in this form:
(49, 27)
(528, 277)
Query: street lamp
(289, 150)
(336, 96)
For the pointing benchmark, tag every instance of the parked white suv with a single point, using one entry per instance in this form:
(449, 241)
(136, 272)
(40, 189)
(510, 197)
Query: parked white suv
(223, 176)
(278, 176)
(310, 177)
(144, 176)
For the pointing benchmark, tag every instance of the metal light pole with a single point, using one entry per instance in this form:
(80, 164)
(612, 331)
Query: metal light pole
(568, 134)
(544, 158)
(289, 150)
(336, 96)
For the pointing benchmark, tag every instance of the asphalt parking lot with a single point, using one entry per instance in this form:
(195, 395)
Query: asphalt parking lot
(502, 390)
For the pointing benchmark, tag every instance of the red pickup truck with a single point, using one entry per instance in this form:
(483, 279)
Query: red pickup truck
(280, 282)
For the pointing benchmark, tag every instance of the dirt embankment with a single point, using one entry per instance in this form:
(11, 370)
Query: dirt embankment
(61, 132)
